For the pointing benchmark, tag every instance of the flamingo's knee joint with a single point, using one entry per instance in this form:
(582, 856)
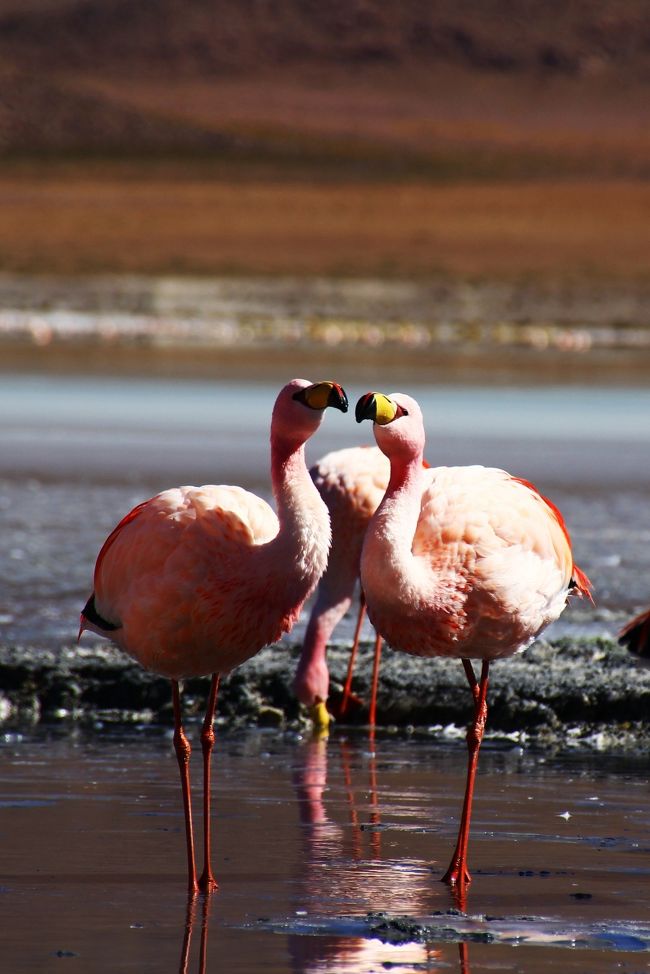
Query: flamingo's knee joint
(182, 747)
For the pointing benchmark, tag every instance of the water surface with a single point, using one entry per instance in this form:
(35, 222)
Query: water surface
(310, 837)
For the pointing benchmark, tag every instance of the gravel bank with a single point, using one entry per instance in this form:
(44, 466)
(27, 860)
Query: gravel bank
(565, 694)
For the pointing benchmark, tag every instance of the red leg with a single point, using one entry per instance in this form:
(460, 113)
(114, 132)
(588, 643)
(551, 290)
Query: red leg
(353, 656)
(458, 873)
(207, 882)
(471, 678)
(375, 680)
(183, 751)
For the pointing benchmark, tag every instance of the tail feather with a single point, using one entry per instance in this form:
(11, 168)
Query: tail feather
(580, 583)
(636, 635)
(90, 619)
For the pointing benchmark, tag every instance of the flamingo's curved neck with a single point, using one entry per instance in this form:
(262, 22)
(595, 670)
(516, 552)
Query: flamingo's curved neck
(398, 513)
(387, 562)
(291, 482)
(304, 536)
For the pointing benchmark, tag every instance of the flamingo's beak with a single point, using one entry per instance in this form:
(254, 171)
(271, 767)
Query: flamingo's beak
(320, 718)
(379, 408)
(320, 395)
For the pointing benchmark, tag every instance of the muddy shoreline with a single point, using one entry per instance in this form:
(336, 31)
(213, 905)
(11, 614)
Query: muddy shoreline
(563, 695)
(433, 330)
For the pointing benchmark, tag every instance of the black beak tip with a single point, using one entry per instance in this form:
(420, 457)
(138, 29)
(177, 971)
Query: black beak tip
(339, 399)
(363, 410)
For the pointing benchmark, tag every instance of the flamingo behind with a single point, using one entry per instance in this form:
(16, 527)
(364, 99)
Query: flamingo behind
(636, 635)
(197, 580)
(467, 562)
(352, 482)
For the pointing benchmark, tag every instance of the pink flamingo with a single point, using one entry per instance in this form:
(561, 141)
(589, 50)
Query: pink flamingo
(352, 482)
(636, 634)
(468, 562)
(197, 580)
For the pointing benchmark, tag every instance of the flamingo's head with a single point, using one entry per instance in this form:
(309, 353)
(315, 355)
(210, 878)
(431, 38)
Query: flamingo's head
(300, 406)
(398, 423)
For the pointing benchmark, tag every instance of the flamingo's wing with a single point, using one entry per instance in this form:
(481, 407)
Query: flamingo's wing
(498, 540)
(149, 542)
(579, 583)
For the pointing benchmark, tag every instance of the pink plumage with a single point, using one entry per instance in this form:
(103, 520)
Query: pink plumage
(467, 562)
(197, 580)
(489, 567)
(352, 482)
(189, 577)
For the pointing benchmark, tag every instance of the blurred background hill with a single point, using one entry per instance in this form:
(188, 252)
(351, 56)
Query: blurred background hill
(355, 122)
(446, 88)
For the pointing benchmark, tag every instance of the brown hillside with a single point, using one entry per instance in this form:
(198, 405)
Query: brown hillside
(55, 115)
(411, 87)
(182, 36)
(468, 138)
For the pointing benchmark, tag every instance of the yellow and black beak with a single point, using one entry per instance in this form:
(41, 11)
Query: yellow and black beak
(320, 395)
(379, 408)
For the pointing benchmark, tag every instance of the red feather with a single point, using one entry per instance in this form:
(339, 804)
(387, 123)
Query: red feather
(116, 530)
(580, 581)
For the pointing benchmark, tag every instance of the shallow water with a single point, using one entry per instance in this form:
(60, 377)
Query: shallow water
(76, 454)
(310, 837)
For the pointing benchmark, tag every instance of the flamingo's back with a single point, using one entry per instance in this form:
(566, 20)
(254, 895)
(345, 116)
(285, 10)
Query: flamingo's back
(493, 563)
(181, 580)
(352, 483)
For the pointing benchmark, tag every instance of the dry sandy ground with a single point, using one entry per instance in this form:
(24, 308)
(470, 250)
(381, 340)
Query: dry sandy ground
(112, 218)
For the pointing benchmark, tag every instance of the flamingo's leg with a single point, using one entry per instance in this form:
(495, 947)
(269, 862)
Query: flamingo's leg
(471, 678)
(183, 751)
(458, 873)
(207, 882)
(375, 680)
(353, 657)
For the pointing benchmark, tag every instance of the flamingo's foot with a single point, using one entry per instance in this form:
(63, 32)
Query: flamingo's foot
(457, 875)
(207, 883)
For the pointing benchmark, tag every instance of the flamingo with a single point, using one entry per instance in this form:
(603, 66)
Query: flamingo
(197, 580)
(352, 482)
(466, 562)
(636, 635)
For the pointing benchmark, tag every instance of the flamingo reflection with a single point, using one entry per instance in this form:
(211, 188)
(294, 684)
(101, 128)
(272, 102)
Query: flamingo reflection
(190, 922)
(344, 864)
